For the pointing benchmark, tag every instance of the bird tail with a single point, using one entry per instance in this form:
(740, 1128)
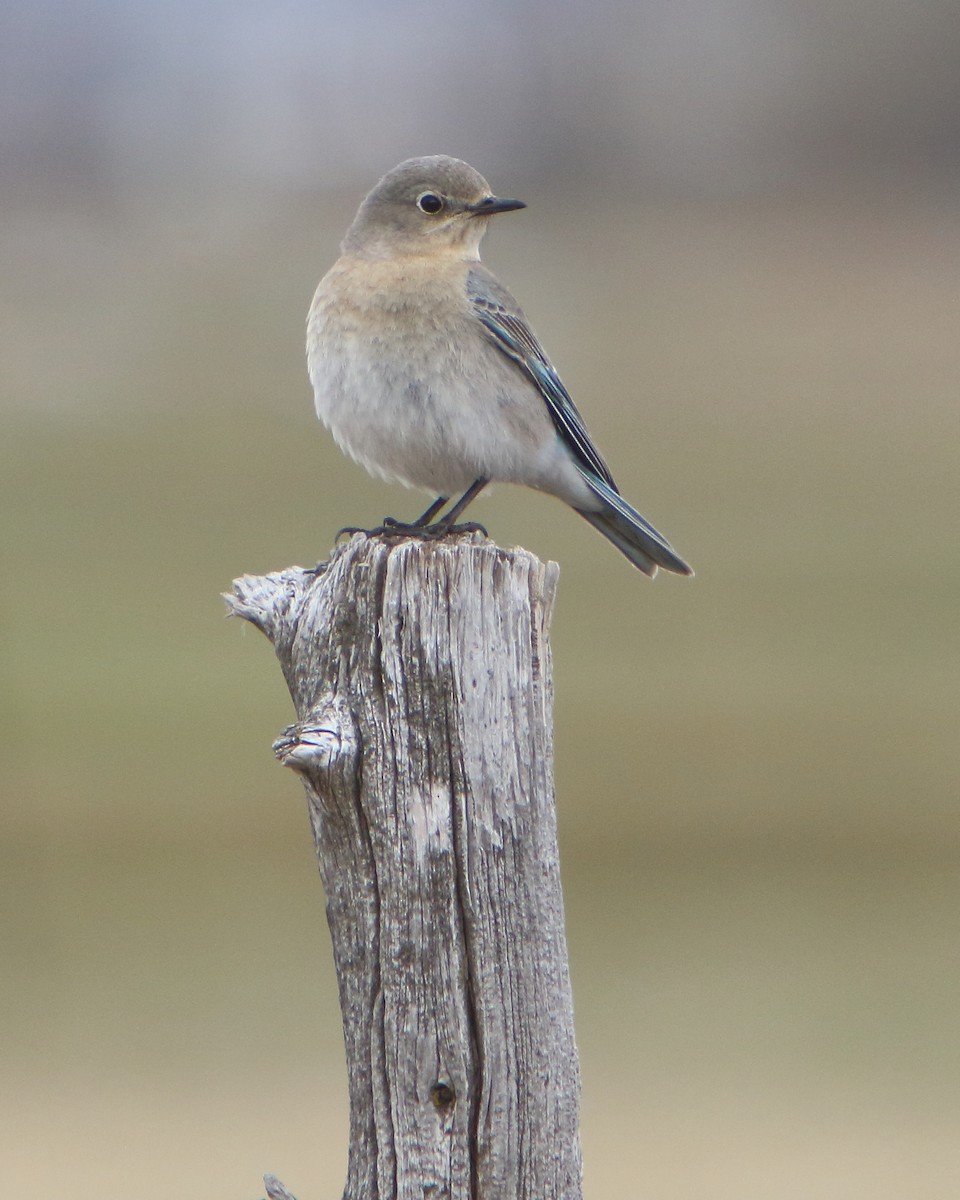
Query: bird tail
(630, 533)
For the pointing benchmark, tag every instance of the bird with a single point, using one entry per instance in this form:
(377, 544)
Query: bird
(426, 372)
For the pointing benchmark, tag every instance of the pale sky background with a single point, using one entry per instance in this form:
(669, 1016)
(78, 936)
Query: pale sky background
(694, 97)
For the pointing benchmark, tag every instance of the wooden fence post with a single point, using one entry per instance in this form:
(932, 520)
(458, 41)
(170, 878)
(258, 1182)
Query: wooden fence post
(421, 678)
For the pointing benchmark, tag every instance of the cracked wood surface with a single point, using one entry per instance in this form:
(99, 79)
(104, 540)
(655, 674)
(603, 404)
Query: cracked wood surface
(421, 678)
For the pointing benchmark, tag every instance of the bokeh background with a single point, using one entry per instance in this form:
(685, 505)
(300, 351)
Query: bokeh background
(742, 251)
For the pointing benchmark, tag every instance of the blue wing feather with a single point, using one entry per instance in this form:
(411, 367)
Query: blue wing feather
(503, 320)
(617, 520)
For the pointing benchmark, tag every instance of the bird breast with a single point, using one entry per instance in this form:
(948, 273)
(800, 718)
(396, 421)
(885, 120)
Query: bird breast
(410, 386)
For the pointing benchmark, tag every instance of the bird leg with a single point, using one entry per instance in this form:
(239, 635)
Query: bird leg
(422, 526)
(391, 523)
(446, 522)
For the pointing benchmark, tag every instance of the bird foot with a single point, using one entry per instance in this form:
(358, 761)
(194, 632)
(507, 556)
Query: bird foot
(429, 533)
(457, 530)
(442, 529)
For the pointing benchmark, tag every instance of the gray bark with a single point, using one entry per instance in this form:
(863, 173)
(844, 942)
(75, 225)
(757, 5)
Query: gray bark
(421, 678)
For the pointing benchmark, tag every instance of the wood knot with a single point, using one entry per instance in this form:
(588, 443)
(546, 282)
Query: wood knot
(442, 1095)
(317, 744)
(307, 748)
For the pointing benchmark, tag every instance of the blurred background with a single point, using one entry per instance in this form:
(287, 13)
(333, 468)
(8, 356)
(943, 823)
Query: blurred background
(742, 252)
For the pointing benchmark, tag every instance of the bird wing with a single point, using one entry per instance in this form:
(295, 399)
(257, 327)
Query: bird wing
(507, 328)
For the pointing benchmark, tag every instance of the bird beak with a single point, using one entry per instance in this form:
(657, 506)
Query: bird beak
(493, 204)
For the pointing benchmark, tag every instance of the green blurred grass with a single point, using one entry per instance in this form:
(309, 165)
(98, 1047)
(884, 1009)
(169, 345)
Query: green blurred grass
(757, 770)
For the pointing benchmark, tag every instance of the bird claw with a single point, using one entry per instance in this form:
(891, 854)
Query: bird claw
(391, 527)
(403, 528)
(439, 530)
(349, 531)
(463, 527)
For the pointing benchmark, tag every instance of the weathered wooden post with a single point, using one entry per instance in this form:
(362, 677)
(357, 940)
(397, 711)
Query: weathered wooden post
(421, 677)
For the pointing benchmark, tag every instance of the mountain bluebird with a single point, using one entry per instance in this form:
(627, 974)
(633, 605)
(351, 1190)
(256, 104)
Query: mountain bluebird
(425, 370)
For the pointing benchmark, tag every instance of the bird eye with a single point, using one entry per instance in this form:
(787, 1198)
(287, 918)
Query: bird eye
(429, 202)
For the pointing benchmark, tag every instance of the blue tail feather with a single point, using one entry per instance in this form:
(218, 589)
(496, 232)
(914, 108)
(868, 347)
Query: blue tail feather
(631, 533)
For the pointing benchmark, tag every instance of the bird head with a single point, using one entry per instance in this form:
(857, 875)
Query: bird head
(426, 206)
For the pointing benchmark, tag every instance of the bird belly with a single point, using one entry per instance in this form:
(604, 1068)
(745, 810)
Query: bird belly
(393, 417)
